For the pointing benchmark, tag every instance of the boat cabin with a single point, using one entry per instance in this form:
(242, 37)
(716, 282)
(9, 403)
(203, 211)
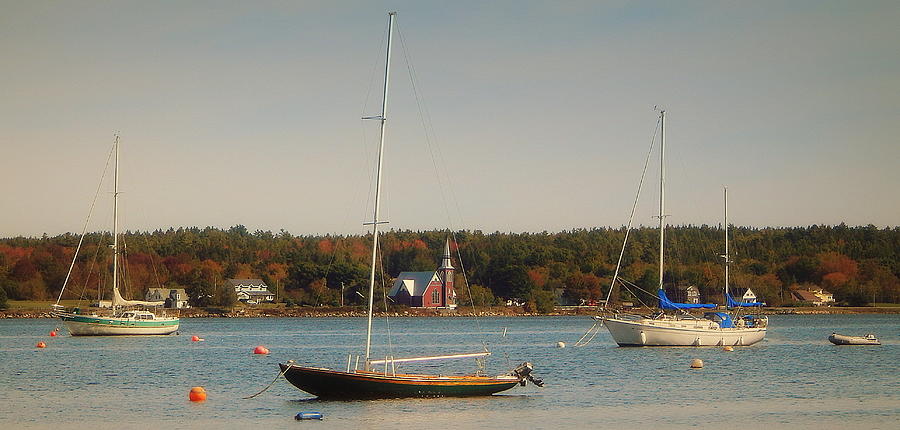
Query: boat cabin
(138, 315)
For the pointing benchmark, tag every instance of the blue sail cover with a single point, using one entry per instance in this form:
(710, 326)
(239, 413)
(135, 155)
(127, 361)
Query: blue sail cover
(665, 303)
(731, 303)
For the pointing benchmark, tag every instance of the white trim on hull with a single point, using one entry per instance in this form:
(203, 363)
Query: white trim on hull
(652, 332)
(93, 329)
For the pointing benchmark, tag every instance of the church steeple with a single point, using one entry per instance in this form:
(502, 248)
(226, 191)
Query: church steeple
(445, 262)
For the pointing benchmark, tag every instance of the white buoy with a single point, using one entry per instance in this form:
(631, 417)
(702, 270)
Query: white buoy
(560, 344)
(696, 363)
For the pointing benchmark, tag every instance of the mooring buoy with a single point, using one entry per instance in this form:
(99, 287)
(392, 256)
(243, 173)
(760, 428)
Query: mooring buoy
(696, 363)
(309, 416)
(197, 394)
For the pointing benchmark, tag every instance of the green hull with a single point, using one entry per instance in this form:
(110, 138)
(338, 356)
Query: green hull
(84, 325)
(332, 384)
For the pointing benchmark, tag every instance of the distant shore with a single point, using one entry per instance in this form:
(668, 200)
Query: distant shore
(494, 311)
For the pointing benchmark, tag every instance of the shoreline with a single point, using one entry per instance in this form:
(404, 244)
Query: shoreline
(307, 312)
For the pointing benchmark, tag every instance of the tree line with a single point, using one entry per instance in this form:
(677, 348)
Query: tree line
(859, 265)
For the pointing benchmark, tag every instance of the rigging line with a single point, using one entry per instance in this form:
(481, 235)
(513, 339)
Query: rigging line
(631, 217)
(592, 332)
(270, 384)
(428, 125)
(387, 320)
(424, 120)
(363, 114)
(627, 284)
(91, 269)
(462, 269)
(440, 168)
(84, 229)
(125, 269)
(155, 273)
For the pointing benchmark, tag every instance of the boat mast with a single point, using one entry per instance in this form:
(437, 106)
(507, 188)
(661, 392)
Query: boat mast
(375, 220)
(115, 228)
(727, 260)
(662, 192)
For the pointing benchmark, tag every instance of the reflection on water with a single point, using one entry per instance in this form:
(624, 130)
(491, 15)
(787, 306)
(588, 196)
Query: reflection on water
(794, 378)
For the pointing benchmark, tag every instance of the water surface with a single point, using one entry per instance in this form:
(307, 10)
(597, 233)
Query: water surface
(793, 379)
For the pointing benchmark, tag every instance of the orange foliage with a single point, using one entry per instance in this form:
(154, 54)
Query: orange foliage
(264, 254)
(325, 247)
(14, 253)
(538, 276)
(833, 262)
(277, 271)
(244, 271)
(359, 250)
(834, 279)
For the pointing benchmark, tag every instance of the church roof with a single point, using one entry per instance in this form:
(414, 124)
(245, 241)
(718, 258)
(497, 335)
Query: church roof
(445, 260)
(414, 283)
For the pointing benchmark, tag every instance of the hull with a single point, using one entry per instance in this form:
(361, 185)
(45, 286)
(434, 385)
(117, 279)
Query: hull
(333, 384)
(839, 339)
(82, 325)
(652, 332)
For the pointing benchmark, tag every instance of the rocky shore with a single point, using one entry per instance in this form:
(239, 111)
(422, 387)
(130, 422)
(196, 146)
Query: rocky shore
(498, 311)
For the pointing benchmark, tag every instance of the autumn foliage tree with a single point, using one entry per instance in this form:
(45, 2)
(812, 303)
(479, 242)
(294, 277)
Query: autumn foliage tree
(860, 264)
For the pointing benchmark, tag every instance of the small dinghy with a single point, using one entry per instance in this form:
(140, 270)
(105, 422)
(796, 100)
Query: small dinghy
(839, 339)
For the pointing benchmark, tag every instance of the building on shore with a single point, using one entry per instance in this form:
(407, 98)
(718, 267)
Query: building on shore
(743, 295)
(174, 298)
(427, 289)
(815, 296)
(683, 294)
(251, 291)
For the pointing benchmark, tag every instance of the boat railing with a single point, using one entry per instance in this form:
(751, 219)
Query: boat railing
(390, 362)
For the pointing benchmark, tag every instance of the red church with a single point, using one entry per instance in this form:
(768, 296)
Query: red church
(426, 289)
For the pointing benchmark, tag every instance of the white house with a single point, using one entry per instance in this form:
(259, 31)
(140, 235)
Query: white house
(251, 291)
(743, 295)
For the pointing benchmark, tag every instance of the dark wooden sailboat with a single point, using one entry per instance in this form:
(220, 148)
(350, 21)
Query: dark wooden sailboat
(367, 381)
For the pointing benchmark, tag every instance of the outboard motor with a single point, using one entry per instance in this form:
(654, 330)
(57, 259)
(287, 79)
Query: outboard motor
(523, 372)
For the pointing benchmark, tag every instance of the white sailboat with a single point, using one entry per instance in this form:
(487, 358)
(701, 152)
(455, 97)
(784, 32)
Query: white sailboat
(679, 328)
(125, 319)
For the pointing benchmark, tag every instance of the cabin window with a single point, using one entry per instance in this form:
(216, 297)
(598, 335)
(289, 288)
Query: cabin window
(435, 296)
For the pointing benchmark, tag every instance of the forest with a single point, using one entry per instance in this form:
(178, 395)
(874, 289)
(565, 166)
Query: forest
(859, 265)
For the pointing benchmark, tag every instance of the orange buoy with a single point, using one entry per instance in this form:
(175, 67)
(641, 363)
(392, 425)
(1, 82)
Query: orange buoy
(41, 345)
(52, 333)
(197, 394)
(195, 339)
(261, 350)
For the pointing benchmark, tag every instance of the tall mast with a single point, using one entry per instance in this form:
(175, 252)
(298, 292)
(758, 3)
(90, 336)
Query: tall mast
(375, 220)
(662, 192)
(115, 278)
(727, 260)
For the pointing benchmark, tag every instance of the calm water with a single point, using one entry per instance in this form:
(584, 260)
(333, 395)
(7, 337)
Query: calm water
(793, 379)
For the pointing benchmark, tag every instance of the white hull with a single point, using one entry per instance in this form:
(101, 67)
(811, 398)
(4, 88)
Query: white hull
(661, 332)
(94, 329)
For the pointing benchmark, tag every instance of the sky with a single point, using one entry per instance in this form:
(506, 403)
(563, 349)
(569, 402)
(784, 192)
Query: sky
(537, 115)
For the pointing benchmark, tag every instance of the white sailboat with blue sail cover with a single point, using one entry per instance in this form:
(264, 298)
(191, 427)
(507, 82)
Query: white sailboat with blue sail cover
(672, 324)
